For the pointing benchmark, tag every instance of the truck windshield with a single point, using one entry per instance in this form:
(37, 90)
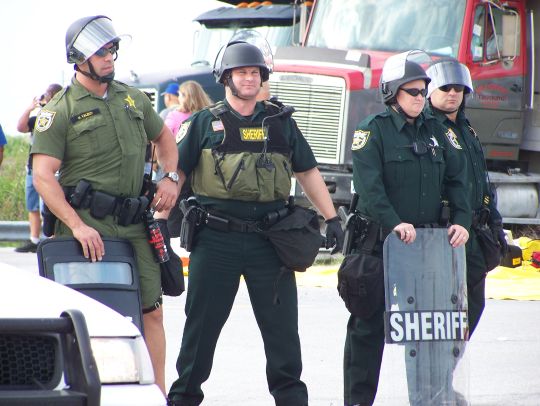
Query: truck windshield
(388, 25)
(208, 41)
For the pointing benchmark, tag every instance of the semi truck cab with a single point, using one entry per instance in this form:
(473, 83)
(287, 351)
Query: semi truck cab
(332, 80)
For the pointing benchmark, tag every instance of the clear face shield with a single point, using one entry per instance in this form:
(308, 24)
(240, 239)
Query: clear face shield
(95, 35)
(394, 67)
(449, 73)
(251, 37)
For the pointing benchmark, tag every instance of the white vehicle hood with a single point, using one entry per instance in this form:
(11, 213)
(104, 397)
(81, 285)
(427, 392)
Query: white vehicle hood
(26, 295)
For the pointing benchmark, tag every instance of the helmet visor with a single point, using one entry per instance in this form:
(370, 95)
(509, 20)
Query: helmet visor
(95, 34)
(255, 38)
(449, 73)
(394, 67)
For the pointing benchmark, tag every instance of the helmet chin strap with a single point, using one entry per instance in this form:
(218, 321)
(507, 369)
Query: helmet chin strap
(400, 110)
(94, 76)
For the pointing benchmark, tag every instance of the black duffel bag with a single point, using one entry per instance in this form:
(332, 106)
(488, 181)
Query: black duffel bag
(296, 238)
(361, 284)
(490, 246)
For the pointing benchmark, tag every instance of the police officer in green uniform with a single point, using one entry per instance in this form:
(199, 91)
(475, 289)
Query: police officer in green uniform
(242, 154)
(450, 82)
(97, 129)
(401, 163)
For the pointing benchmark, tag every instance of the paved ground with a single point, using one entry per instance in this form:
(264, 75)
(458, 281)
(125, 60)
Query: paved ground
(503, 355)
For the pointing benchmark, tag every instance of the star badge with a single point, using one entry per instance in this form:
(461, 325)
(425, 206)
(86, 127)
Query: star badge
(130, 101)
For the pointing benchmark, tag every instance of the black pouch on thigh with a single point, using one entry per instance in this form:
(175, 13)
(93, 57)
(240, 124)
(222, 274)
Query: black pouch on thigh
(172, 275)
(361, 284)
(490, 246)
(296, 238)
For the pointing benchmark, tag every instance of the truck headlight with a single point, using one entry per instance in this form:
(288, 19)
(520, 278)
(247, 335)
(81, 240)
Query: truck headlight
(122, 360)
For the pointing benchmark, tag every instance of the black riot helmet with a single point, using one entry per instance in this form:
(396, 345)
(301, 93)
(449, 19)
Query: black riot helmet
(398, 70)
(87, 35)
(236, 55)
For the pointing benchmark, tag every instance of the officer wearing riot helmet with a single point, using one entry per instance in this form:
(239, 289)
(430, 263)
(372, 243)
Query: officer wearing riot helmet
(450, 83)
(242, 154)
(94, 133)
(401, 164)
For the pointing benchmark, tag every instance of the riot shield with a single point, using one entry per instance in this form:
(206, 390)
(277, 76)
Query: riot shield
(426, 315)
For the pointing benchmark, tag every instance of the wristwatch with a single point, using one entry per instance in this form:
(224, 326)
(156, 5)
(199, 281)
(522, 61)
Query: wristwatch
(172, 176)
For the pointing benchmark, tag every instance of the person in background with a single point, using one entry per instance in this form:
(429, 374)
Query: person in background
(450, 83)
(192, 98)
(26, 124)
(170, 98)
(3, 142)
(95, 133)
(400, 187)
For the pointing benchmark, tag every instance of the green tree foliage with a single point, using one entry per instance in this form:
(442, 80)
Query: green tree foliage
(12, 176)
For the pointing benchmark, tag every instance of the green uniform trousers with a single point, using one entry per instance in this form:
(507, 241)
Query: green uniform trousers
(217, 262)
(364, 345)
(476, 281)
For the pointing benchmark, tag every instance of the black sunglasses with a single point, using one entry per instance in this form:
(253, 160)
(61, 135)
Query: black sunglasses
(101, 52)
(415, 92)
(457, 88)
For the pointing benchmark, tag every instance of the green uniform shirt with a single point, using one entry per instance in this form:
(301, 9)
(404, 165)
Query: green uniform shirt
(397, 185)
(204, 131)
(477, 180)
(102, 140)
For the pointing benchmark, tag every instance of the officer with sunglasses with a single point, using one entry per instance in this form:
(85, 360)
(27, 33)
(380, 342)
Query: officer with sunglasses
(450, 83)
(96, 131)
(401, 165)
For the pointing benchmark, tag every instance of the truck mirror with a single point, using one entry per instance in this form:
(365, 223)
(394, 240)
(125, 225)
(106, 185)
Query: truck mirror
(510, 36)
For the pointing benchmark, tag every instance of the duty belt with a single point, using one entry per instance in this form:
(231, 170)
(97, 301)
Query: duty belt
(221, 222)
(126, 210)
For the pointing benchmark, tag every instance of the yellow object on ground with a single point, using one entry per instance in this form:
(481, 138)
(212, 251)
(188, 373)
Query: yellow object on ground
(521, 283)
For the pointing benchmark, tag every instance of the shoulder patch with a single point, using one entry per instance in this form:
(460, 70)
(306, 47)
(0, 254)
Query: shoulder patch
(217, 125)
(44, 120)
(182, 131)
(360, 139)
(452, 137)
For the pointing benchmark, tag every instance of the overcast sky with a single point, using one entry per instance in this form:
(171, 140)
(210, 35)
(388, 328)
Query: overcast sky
(32, 38)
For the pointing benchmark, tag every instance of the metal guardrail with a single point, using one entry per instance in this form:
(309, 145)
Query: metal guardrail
(14, 230)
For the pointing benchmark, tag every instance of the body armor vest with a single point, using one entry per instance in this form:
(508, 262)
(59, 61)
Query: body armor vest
(252, 163)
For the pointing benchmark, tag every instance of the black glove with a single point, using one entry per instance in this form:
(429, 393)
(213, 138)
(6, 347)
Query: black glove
(334, 234)
(498, 232)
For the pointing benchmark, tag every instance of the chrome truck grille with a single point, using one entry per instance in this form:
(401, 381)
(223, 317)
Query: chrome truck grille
(319, 101)
(152, 94)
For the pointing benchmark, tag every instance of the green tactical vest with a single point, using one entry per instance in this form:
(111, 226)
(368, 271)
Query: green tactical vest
(252, 163)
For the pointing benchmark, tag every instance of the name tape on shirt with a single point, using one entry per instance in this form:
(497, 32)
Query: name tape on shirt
(360, 139)
(443, 325)
(252, 134)
(182, 131)
(85, 115)
(44, 120)
(452, 137)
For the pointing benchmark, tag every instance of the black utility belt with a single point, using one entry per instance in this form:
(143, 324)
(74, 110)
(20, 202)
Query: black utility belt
(219, 222)
(126, 210)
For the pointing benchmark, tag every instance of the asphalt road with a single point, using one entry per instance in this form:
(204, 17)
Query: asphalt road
(503, 356)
